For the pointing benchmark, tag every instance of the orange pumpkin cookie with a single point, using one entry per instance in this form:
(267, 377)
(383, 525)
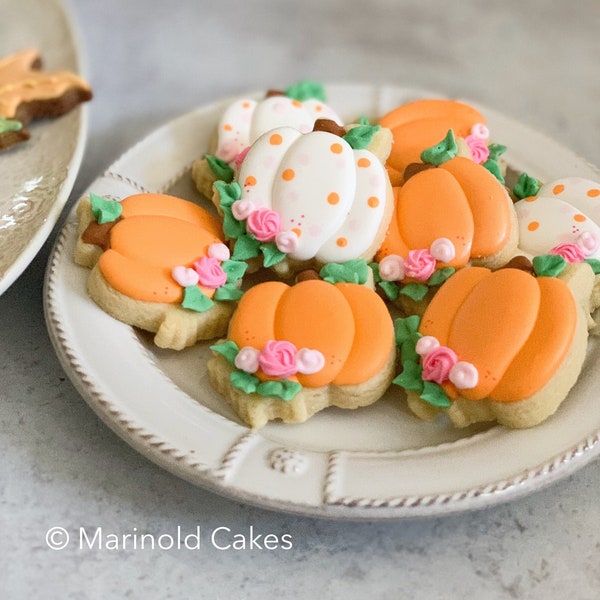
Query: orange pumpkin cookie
(447, 215)
(158, 263)
(420, 124)
(500, 346)
(28, 93)
(294, 350)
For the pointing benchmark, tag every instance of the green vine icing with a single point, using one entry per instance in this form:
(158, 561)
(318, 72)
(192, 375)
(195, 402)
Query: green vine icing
(105, 210)
(361, 136)
(407, 335)
(220, 168)
(9, 125)
(352, 271)
(492, 163)
(442, 151)
(526, 186)
(305, 90)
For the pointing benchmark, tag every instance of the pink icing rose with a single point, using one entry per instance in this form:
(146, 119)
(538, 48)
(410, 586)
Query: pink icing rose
(570, 252)
(419, 264)
(219, 251)
(589, 242)
(464, 375)
(478, 147)
(210, 273)
(247, 359)
(309, 361)
(264, 224)
(480, 131)
(391, 268)
(443, 250)
(438, 363)
(287, 241)
(278, 358)
(241, 209)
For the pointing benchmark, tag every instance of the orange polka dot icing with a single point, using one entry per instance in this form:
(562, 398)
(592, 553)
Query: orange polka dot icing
(420, 124)
(245, 120)
(347, 324)
(315, 185)
(565, 211)
(155, 234)
(515, 329)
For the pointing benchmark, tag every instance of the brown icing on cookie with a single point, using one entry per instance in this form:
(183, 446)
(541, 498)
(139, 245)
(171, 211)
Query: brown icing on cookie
(329, 126)
(414, 168)
(99, 235)
(522, 263)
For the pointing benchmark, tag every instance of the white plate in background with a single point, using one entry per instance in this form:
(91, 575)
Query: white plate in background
(38, 175)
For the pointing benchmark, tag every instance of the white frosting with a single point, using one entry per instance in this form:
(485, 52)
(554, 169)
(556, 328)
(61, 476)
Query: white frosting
(315, 184)
(562, 211)
(366, 213)
(244, 121)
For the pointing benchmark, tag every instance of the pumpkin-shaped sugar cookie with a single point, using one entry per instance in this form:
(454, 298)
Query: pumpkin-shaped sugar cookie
(445, 217)
(294, 350)
(159, 263)
(494, 345)
(420, 124)
(303, 200)
(246, 119)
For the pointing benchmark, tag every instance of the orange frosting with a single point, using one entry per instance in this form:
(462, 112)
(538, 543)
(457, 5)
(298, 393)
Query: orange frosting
(21, 83)
(349, 324)
(461, 201)
(489, 207)
(423, 123)
(514, 328)
(156, 233)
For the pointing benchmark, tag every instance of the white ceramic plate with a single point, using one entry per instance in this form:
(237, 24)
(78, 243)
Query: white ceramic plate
(38, 175)
(374, 463)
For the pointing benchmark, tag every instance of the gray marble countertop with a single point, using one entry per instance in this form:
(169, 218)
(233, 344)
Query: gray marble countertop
(150, 61)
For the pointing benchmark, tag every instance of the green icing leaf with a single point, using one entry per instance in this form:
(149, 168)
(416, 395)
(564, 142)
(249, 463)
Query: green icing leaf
(363, 120)
(595, 264)
(410, 377)
(440, 276)
(390, 289)
(105, 211)
(496, 150)
(272, 254)
(435, 395)
(305, 90)
(228, 193)
(549, 265)
(442, 151)
(243, 381)
(234, 270)
(220, 168)
(284, 389)
(228, 293)
(228, 349)
(526, 186)
(195, 299)
(351, 271)
(416, 291)
(361, 136)
(8, 125)
(405, 329)
(246, 246)
(494, 168)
